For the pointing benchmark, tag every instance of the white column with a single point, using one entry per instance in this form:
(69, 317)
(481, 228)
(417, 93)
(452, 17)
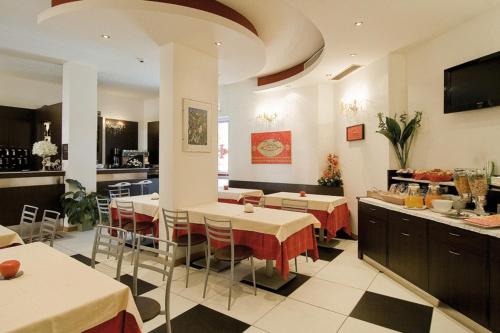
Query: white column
(186, 178)
(79, 122)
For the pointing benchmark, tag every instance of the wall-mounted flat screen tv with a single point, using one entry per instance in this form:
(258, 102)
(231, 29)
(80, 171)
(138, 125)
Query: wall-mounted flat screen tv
(473, 85)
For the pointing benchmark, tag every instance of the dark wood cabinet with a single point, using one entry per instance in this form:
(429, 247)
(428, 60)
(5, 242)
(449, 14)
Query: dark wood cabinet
(494, 284)
(373, 232)
(458, 270)
(407, 250)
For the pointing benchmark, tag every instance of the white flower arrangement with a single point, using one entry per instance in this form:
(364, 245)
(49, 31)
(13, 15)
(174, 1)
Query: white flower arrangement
(44, 149)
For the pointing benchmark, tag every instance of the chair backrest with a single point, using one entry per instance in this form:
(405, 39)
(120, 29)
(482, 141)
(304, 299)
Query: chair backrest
(219, 230)
(165, 254)
(254, 200)
(104, 211)
(142, 184)
(126, 213)
(176, 220)
(48, 228)
(28, 218)
(300, 206)
(119, 193)
(111, 242)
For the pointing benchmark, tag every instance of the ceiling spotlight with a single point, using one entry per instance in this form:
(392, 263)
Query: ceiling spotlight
(104, 36)
(352, 54)
(358, 24)
(140, 60)
(329, 75)
(288, 86)
(218, 43)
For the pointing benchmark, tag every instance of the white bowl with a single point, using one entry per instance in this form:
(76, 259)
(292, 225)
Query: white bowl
(442, 205)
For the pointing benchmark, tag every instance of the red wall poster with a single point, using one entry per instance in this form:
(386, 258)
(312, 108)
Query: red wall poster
(272, 148)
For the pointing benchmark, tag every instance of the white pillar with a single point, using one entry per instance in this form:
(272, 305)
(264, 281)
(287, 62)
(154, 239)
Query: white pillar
(186, 178)
(79, 122)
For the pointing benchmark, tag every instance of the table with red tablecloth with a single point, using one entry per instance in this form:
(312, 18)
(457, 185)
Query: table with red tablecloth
(146, 209)
(331, 211)
(272, 234)
(235, 195)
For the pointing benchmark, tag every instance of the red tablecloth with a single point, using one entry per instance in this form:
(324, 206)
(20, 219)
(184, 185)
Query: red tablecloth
(268, 247)
(331, 222)
(240, 202)
(138, 218)
(124, 322)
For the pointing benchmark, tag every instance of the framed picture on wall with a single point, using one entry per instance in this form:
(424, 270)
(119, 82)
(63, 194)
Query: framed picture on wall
(355, 133)
(196, 126)
(272, 147)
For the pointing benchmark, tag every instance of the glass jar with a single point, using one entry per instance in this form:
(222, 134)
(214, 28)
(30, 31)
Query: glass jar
(414, 198)
(433, 193)
(478, 182)
(461, 181)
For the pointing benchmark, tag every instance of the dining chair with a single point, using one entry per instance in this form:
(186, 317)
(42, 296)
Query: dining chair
(127, 220)
(166, 252)
(119, 193)
(301, 206)
(143, 184)
(104, 211)
(28, 219)
(256, 201)
(110, 241)
(178, 221)
(221, 231)
(48, 228)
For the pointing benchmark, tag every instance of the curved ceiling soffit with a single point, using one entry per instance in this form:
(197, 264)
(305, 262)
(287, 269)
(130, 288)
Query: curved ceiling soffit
(209, 6)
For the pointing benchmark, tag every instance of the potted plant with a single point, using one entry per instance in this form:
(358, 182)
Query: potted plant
(45, 150)
(400, 133)
(79, 206)
(332, 176)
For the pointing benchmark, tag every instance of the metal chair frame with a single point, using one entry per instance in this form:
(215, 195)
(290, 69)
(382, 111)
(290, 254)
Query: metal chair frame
(300, 206)
(49, 226)
(168, 256)
(119, 193)
(104, 211)
(179, 220)
(106, 243)
(252, 199)
(28, 219)
(142, 184)
(222, 231)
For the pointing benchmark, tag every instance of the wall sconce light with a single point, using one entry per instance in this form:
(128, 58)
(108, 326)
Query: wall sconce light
(116, 126)
(267, 118)
(353, 106)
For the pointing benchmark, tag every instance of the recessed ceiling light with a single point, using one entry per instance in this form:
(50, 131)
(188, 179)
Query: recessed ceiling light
(329, 75)
(288, 86)
(140, 60)
(358, 23)
(352, 54)
(104, 36)
(218, 43)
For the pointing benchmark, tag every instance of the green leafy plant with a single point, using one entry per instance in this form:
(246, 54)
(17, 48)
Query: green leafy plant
(79, 206)
(400, 134)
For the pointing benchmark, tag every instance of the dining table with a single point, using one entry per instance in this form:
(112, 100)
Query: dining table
(56, 293)
(146, 209)
(9, 237)
(274, 236)
(330, 210)
(235, 195)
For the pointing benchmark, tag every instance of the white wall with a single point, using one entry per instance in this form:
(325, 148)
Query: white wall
(465, 139)
(298, 111)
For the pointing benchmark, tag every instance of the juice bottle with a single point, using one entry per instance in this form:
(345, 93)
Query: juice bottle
(433, 193)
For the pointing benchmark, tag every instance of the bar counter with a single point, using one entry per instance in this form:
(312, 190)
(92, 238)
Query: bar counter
(106, 177)
(37, 188)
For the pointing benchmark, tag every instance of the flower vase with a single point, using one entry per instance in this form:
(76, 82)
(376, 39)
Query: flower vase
(45, 162)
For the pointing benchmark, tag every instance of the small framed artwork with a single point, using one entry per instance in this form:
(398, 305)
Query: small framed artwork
(196, 126)
(355, 133)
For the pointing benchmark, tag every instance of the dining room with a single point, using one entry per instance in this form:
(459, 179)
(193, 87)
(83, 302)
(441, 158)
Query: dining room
(262, 167)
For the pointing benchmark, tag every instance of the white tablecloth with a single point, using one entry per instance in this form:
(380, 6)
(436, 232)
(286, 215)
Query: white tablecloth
(143, 204)
(238, 193)
(58, 293)
(316, 201)
(279, 223)
(8, 237)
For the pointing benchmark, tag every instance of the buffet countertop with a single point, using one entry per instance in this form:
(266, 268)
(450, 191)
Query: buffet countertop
(24, 174)
(122, 170)
(429, 215)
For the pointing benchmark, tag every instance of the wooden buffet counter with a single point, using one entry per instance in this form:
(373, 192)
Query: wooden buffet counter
(38, 188)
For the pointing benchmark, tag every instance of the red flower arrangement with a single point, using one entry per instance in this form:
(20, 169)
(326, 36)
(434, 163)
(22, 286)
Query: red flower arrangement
(332, 176)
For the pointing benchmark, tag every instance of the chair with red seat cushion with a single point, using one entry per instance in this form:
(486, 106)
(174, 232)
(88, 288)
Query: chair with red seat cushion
(178, 221)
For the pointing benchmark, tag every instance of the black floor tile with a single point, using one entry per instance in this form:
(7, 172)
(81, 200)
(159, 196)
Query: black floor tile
(142, 286)
(83, 259)
(328, 254)
(393, 313)
(202, 319)
(288, 288)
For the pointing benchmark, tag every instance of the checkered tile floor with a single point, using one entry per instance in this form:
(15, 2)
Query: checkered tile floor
(337, 293)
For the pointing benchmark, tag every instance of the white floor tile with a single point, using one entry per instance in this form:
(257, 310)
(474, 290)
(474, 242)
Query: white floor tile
(253, 329)
(328, 295)
(245, 306)
(382, 284)
(295, 316)
(353, 325)
(308, 267)
(442, 323)
(196, 282)
(350, 272)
